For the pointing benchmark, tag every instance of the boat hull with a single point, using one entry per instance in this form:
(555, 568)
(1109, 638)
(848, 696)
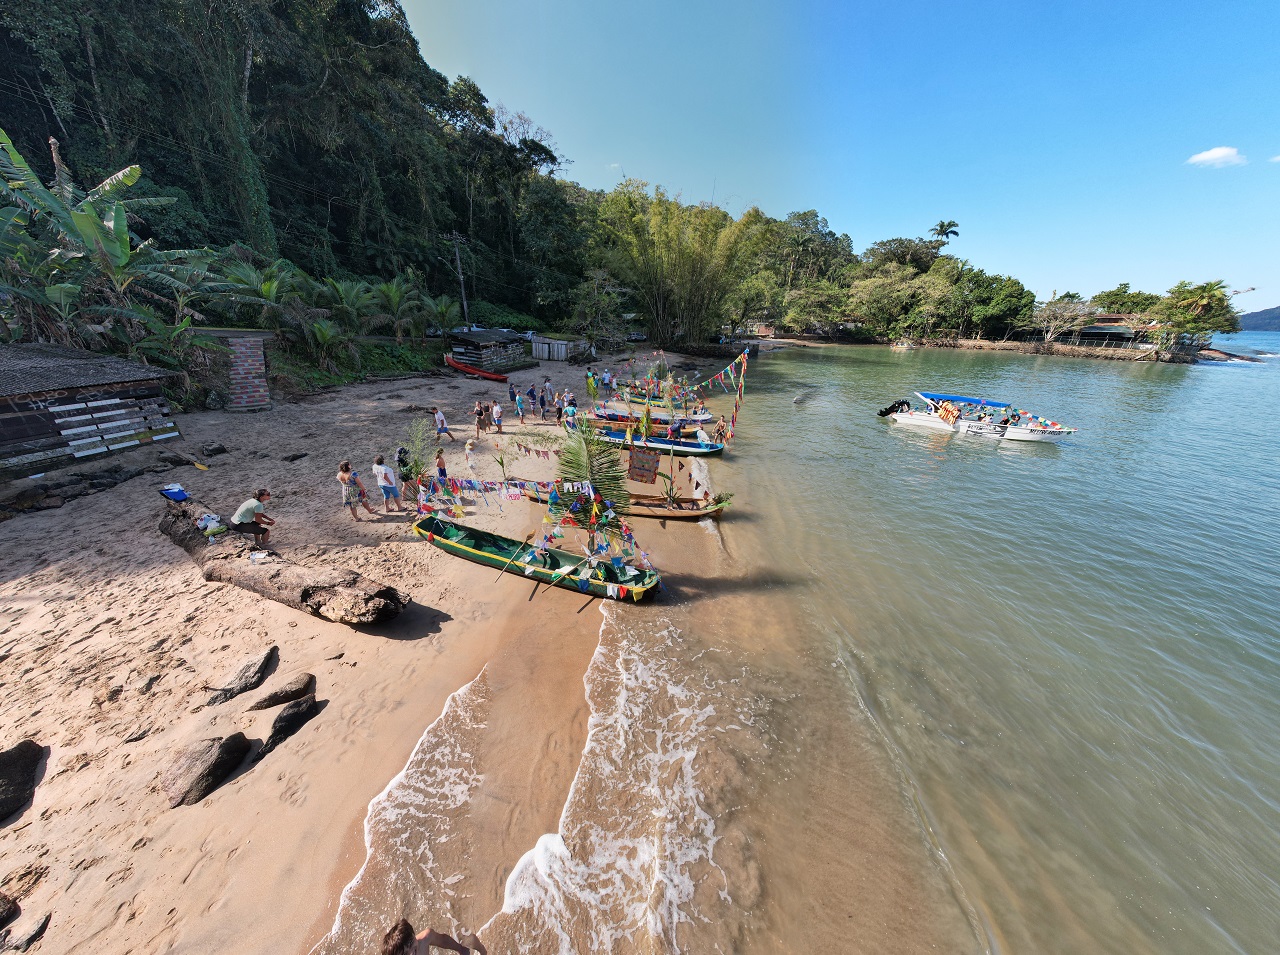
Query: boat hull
(924, 419)
(680, 449)
(659, 414)
(469, 370)
(653, 508)
(560, 570)
(1043, 435)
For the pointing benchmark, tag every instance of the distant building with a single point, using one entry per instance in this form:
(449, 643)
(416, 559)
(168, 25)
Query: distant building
(59, 405)
(489, 351)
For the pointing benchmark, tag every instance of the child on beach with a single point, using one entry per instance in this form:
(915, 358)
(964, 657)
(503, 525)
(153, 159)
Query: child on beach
(467, 450)
(440, 471)
(520, 407)
(496, 411)
(386, 479)
(442, 426)
(353, 493)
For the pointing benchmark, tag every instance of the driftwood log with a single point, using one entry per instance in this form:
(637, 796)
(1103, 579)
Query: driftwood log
(336, 594)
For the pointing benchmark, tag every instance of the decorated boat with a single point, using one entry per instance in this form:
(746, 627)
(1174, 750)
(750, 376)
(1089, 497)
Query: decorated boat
(976, 417)
(558, 568)
(604, 417)
(469, 370)
(655, 506)
(665, 445)
(657, 413)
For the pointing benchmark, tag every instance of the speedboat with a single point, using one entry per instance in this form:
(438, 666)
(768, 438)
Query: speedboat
(976, 417)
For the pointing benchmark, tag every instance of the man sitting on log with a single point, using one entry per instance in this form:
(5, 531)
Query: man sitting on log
(250, 519)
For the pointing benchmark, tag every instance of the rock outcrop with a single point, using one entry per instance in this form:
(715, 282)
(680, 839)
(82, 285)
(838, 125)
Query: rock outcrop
(296, 688)
(288, 722)
(18, 768)
(201, 767)
(249, 676)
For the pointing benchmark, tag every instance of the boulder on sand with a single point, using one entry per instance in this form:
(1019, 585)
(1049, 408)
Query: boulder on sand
(18, 767)
(299, 686)
(288, 722)
(24, 938)
(248, 677)
(9, 910)
(198, 769)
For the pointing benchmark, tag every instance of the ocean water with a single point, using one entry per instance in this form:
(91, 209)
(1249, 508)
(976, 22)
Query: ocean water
(914, 693)
(1073, 652)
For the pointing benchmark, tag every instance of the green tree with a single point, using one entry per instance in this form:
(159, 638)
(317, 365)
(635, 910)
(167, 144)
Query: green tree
(945, 230)
(1121, 301)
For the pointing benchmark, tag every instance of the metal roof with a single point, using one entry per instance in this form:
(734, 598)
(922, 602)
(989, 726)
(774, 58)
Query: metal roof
(485, 337)
(32, 368)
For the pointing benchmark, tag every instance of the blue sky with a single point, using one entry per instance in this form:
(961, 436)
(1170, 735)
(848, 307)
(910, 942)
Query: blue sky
(1057, 135)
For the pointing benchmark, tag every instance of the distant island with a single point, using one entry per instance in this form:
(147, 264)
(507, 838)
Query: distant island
(1267, 320)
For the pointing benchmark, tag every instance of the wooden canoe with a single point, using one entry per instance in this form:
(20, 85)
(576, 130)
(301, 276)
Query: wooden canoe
(468, 370)
(555, 568)
(617, 419)
(653, 506)
(666, 446)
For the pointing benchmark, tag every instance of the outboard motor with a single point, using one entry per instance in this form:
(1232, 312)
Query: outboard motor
(894, 408)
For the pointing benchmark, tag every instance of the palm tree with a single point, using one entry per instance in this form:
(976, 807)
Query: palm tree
(398, 305)
(441, 313)
(945, 230)
(352, 303)
(1206, 297)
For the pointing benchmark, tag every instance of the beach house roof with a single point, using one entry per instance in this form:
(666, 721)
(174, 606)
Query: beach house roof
(35, 367)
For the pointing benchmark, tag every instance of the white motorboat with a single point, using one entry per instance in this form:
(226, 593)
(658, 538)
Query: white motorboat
(976, 417)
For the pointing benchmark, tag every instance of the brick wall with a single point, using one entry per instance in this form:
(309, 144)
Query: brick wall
(248, 376)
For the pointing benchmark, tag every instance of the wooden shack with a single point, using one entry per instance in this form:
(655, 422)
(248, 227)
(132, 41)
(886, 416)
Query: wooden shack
(490, 351)
(59, 405)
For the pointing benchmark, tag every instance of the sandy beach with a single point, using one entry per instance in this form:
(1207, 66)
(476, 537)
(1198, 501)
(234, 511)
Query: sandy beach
(474, 695)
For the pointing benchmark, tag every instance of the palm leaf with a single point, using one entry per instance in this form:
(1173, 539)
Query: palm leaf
(122, 180)
(584, 457)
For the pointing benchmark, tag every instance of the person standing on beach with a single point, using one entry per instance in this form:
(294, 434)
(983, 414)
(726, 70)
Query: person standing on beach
(386, 479)
(511, 391)
(520, 408)
(441, 473)
(353, 493)
(496, 411)
(400, 940)
(559, 407)
(442, 426)
(479, 413)
(542, 402)
(468, 449)
(250, 519)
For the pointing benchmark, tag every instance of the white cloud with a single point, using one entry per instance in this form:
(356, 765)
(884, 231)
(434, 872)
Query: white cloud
(1218, 157)
(1274, 159)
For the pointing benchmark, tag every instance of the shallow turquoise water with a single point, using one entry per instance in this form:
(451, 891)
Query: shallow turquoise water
(1073, 651)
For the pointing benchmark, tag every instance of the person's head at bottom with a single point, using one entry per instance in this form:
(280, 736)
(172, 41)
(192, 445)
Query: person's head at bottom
(400, 940)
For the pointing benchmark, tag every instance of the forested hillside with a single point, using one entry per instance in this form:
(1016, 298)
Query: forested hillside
(1267, 320)
(319, 178)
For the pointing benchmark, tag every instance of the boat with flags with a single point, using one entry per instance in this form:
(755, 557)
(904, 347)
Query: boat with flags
(607, 417)
(600, 576)
(976, 417)
(655, 506)
(680, 448)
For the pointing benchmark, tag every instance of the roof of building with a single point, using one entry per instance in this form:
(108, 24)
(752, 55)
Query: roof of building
(486, 337)
(32, 368)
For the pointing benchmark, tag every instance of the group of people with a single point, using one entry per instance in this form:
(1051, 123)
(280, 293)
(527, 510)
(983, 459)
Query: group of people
(396, 484)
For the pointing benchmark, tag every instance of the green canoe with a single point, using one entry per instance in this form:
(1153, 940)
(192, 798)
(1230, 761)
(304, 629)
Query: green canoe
(556, 567)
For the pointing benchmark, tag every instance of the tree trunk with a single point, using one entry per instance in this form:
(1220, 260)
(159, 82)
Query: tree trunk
(97, 90)
(336, 594)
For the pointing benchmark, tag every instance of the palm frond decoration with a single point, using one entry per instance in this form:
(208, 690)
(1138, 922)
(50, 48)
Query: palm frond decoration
(584, 457)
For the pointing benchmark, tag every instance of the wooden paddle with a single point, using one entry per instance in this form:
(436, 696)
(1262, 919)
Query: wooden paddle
(528, 537)
(190, 460)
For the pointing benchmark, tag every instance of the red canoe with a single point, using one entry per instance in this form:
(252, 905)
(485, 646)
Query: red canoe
(468, 370)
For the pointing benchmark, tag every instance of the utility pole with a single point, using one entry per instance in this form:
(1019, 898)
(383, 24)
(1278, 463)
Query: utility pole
(455, 238)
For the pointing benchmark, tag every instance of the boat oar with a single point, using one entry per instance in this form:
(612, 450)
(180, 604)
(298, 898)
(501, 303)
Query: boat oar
(528, 537)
